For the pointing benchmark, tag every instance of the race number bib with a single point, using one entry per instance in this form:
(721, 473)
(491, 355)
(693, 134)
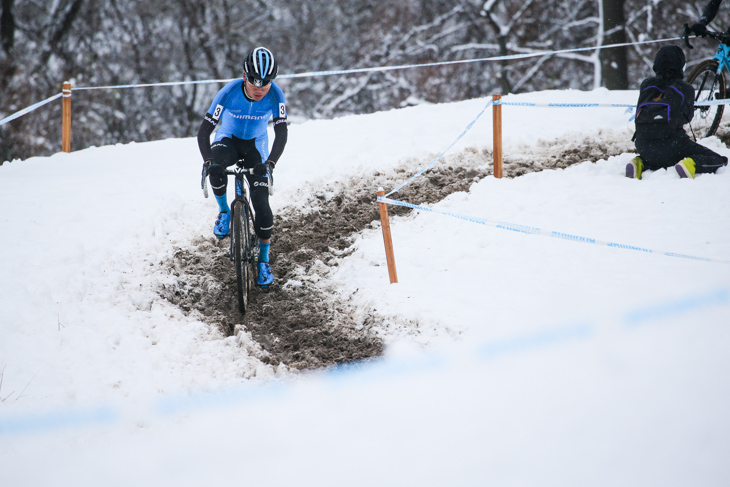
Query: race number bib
(282, 110)
(217, 112)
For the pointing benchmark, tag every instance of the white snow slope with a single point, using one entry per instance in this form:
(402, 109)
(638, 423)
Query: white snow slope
(512, 359)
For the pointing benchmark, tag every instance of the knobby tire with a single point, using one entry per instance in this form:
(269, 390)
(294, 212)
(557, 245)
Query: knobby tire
(707, 87)
(241, 246)
(251, 246)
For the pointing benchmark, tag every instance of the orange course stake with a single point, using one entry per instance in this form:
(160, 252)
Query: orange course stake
(387, 239)
(66, 118)
(497, 131)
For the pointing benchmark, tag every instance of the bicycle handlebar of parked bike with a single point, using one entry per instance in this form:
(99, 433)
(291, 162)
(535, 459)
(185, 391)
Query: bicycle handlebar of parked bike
(718, 36)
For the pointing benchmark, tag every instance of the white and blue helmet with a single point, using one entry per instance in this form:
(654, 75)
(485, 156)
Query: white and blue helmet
(260, 67)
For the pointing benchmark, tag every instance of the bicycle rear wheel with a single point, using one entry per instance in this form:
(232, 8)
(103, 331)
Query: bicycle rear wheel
(709, 86)
(242, 253)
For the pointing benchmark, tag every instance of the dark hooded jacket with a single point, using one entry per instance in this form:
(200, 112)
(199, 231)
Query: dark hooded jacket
(667, 150)
(668, 66)
(669, 62)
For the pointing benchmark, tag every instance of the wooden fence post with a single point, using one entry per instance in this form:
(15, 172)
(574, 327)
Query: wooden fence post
(497, 132)
(387, 239)
(66, 118)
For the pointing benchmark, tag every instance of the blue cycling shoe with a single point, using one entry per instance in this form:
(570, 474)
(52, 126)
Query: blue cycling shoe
(265, 275)
(222, 224)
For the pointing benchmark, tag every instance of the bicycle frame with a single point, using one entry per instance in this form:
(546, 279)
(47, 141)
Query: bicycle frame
(243, 191)
(242, 250)
(242, 246)
(722, 56)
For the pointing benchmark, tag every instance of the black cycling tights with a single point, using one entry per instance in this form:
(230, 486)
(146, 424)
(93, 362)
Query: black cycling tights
(226, 152)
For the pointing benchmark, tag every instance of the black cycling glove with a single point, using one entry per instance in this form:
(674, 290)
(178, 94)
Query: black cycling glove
(699, 29)
(263, 169)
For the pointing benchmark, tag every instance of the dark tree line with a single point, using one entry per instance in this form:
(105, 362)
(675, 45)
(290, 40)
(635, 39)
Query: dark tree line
(110, 42)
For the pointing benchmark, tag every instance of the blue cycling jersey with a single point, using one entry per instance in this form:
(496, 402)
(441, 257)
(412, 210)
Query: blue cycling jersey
(241, 117)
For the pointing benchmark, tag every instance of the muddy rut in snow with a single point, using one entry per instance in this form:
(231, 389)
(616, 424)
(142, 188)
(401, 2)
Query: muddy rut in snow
(299, 324)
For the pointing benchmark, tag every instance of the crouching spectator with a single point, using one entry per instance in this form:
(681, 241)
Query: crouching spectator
(666, 104)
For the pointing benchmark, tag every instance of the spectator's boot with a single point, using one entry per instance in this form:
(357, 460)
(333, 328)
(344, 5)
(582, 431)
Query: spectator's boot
(686, 168)
(634, 168)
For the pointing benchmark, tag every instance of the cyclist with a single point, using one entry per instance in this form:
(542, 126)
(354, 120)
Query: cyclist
(700, 28)
(661, 143)
(241, 111)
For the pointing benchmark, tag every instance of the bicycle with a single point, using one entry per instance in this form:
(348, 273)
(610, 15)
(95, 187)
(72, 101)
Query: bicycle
(709, 82)
(243, 248)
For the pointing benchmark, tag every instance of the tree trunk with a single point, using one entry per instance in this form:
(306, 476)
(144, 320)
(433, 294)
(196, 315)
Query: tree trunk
(613, 61)
(7, 39)
(7, 26)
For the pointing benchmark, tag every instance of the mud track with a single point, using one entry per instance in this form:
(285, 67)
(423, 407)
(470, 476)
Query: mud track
(296, 322)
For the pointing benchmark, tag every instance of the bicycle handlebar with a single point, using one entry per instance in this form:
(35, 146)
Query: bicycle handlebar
(239, 170)
(232, 172)
(718, 36)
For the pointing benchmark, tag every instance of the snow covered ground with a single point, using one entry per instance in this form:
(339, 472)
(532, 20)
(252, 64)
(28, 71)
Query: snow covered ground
(530, 360)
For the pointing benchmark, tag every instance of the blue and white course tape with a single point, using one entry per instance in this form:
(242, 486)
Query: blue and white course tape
(549, 233)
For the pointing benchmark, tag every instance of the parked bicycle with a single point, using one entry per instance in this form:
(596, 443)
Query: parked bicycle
(243, 249)
(709, 82)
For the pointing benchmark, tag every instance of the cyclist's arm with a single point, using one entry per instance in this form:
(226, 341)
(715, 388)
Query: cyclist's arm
(211, 119)
(710, 11)
(281, 132)
(206, 128)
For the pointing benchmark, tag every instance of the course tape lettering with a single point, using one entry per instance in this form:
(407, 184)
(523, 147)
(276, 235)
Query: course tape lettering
(547, 233)
(29, 109)
(565, 105)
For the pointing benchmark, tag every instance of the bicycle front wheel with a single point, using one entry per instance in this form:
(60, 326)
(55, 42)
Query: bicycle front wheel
(241, 250)
(709, 86)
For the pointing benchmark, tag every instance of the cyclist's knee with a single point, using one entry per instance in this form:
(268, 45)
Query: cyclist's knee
(218, 177)
(264, 225)
(264, 233)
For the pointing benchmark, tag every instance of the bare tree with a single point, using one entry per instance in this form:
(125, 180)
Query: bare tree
(7, 39)
(110, 42)
(613, 61)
